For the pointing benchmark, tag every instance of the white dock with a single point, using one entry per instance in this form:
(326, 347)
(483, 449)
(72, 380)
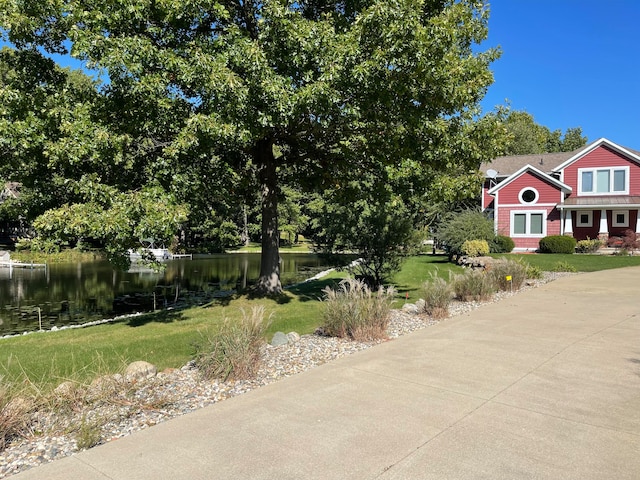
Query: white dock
(12, 264)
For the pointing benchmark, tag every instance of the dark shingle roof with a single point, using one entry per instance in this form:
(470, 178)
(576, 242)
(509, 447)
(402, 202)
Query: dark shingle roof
(547, 162)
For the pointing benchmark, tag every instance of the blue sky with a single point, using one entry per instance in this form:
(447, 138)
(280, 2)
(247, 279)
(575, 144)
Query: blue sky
(569, 63)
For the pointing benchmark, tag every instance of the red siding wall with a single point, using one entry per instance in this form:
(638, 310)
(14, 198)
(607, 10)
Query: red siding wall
(602, 157)
(548, 193)
(553, 224)
(487, 200)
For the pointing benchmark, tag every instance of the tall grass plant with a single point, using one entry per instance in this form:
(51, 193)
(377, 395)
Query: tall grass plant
(354, 310)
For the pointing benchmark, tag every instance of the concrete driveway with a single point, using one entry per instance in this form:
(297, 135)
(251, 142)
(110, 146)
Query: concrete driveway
(544, 385)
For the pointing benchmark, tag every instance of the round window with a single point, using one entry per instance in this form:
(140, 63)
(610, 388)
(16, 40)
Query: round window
(528, 195)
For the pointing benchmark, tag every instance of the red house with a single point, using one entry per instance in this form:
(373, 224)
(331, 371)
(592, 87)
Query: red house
(593, 192)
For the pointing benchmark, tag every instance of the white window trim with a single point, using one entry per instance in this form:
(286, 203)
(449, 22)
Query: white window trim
(611, 170)
(615, 213)
(534, 200)
(528, 214)
(588, 223)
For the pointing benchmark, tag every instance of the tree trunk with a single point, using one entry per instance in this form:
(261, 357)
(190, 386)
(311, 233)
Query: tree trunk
(245, 227)
(269, 281)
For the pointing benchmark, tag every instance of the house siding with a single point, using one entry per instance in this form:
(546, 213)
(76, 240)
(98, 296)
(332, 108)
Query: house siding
(552, 219)
(602, 156)
(547, 192)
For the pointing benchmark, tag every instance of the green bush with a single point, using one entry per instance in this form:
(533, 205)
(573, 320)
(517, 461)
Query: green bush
(588, 245)
(563, 267)
(502, 244)
(534, 272)
(42, 245)
(473, 285)
(437, 297)
(357, 312)
(557, 244)
(457, 228)
(501, 269)
(233, 351)
(475, 248)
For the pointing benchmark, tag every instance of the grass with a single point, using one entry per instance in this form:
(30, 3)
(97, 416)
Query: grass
(409, 281)
(64, 256)
(167, 339)
(302, 247)
(582, 263)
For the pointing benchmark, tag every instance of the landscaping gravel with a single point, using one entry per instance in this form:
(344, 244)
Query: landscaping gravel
(113, 408)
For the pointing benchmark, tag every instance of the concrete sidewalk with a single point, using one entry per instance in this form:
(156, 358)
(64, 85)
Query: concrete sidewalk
(543, 385)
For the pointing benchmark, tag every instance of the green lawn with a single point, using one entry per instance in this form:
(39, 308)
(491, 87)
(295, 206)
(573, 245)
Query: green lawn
(582, 263)
(167, 339)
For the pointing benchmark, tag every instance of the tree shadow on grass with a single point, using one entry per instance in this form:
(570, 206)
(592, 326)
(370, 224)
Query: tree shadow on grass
(163, 316)
(312, 291)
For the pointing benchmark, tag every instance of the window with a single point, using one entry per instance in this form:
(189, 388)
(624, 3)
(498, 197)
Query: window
(620, 218)
(528, 224)
(584, 219)
(528, 195)
(601, 181)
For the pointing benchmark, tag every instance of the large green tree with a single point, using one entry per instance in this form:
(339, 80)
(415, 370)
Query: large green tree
(275, 88)
(528, 137)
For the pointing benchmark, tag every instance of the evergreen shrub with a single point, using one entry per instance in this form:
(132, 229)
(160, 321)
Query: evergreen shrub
(475, 248)
(502, 244)
(588, 245)
(557, 244)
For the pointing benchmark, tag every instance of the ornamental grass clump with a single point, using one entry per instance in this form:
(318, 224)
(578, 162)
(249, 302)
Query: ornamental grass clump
(355, 311)
(438, 294)
(508, 274)
(473, 285)
(15, 414)
(234, 350)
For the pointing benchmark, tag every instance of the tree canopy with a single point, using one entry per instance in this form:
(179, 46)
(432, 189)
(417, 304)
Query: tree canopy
(528, 137)
(203, 94)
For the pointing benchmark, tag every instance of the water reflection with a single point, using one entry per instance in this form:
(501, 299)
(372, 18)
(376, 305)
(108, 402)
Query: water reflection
(64, 294)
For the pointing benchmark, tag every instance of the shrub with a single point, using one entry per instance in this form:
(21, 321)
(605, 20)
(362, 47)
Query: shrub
(630, 241)
(460, 227)
(437, 297)
(563, 267)
(355, 311)
(473, 285)
(502, 244)
(588, 245)
(14, 416)
(533, 271)
(475, 248)
(557, 244)
(234, 350)
(501, 269)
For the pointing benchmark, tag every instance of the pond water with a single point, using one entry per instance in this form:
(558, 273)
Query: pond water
(74, 293)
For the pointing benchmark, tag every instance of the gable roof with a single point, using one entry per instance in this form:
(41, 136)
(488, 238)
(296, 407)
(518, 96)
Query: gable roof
(627, 152)
(506, 166)
(528, 168)
(550, 162)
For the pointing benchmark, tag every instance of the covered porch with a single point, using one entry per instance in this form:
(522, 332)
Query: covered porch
(600, 217)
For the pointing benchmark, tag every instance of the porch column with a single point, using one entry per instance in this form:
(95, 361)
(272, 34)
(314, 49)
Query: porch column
(638, 221)
(603, 232)
(568, 223)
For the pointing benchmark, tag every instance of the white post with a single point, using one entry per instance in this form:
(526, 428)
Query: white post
(638, 221)
(604, 227)
(568, 223)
